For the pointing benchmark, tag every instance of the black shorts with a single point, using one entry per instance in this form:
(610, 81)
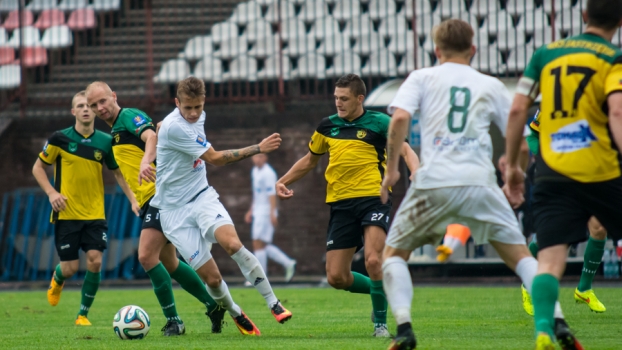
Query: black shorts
(72, 235)
(348, 218)
(561, 210)
(150, 216)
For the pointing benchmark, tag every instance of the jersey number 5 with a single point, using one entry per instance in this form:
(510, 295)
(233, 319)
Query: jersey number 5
(460, 99)
(557, 91)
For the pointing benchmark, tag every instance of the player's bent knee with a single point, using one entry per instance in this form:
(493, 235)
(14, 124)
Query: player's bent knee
(373, 263)
(338, 281)
(147, 261)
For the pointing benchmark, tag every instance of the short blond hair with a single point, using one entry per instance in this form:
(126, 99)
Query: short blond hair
(81, 93)
(191, 88)
(98, 84)
(453, 37)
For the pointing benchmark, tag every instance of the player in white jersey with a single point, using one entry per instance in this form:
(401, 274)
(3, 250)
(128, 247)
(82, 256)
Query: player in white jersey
(192, 217)
(263, 217)
(456, 182)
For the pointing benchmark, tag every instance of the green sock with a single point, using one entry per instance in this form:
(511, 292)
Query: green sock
(89, 289)
(191, 283)
(58, 276)
(533, 248)
(379, 302)
(591, 260)
(163, 289)
(361, 284)
(545, 291)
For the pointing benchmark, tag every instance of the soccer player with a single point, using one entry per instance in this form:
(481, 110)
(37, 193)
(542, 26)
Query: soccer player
(355, 139)
(578, 169)
(191, 214)
(456, 183)
(77, 198)
(593, 251)
(133, 144)
(263, 217)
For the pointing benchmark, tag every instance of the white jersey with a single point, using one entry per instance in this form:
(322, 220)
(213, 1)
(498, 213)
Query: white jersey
(180, 173)
(456, 106)
(264, 181)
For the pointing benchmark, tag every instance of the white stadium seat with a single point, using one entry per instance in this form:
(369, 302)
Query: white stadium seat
(402, 43)
(379, 9)
(242, 68)
(106, 5)
(57, 37)
(257, 30)
(535, 21)
(232, 47)
(346, 9)
(451, 8)
(345, 63)
(367, 44)
(426, 23)
(311, 65)
(484, 8)
(392, 25)
(246, 12)
(518, 58)
(10, 76)
(358, 26)
(334, 45)
(326, 26)
(497, 21)
(31, 35)
(292, 29)
(40, 5)
(407, 64)
(312, 10)
(265, 47)
(287, 12)
(209, 69)
(488, 60)
(519, 7)
(9, 5)
(422, 8)
(381, 63)
(510, 39)
(222, 31)
(198, 47)
(4, 37)
(300, 46)
(271, 68)
(544, 37)
(173, 71)
(70, 5)
(569, 20)
(560, 5)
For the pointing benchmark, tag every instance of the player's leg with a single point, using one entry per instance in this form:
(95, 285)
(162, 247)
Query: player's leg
(591, 261)
(90, 285)
(259, 242)
(67, 242)
(338, 274)
(374, 245)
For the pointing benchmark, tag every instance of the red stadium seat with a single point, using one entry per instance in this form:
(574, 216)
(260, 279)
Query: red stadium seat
(12, 20)
(34, 56)
(50, 18)
(7, 55)
(82, 19)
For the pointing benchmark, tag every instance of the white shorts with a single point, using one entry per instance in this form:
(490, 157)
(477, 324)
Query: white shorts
(262, 229)
(191, 228)
(424, 214)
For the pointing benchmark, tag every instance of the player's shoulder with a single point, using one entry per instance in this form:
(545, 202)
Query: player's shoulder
(132, 113)
(326, 124)
(103, 135)
(378, 119)
(60, 136)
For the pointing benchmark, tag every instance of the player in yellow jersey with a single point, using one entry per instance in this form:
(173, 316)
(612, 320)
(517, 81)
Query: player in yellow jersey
(78, 154)
(355, 140)
(578, 168)
(134, 147)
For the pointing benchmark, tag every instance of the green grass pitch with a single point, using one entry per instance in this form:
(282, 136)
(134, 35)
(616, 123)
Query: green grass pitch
(443, 318)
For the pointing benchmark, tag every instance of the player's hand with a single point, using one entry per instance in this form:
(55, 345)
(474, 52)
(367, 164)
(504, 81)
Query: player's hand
(57, 201)
(270, 143)
(274, 219)
(248, 217)
(390, 179)
(283, 192)
(147, 173)
(136, 208)
(514, 188)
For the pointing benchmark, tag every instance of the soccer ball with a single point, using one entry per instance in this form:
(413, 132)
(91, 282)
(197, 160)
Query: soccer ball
(131, 322)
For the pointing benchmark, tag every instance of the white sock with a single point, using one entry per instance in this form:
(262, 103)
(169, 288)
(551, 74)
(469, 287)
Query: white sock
(262, 256)
(277, 255)
(398, 288)
(558, 311)
(222, 296)
(526, 269)
(251, 269)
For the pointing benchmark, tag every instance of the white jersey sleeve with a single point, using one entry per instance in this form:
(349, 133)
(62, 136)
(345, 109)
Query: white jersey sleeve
(187, 140)
(408, 97)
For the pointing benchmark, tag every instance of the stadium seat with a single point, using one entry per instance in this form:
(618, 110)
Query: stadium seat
(198, 47)
(246, 12)
(34, 56)
(519, 7)
(346, 9)
(287, 11)
(82, 19)
(312, 10)
(510, 39)
(488, 60)
(12, 20)
(422, 8)
(57, 37)
(518, 58)
(334, 45)
(534, 21)
(470, 19)
(50, 18)
(106, 5)
(9, 5)
(345, 63)
(31, 36)
(379, 9)
(173, 71)
(358, 26)
(407, 64)
(482, 8)
(271, 68)
(242, 68)
(300, 46)
(481, 37)
(426, 23)
(326, 26)
(311, 65)
(232, 47)
(209, 69)
(402, 43)
(265, 47)
(451, 8)
(366, 44)
(392, 25)
(71, 5)
(223, 31)
(4, 37)
(258, 29)
(7, 55)
(380, 63)
(498, 21)
(10, 76)
(560, 5)
(544, 37)
(40, 5)
(292, 29)
(569, 20)
(616, 40)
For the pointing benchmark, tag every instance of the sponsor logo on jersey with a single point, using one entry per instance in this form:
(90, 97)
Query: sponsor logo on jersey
(72, 147)
(361, 134)
(447, 141)
(572, 137)
(86, 140)
(64, 246)
(193, 256)
(139, 120)
(334, 131)
(45, 150)
(201, 140)
(198, 165)
(329, 242)
(98, 154)
(218, 217)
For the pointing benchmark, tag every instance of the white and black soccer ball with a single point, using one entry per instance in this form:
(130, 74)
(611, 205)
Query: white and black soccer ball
(131, 322)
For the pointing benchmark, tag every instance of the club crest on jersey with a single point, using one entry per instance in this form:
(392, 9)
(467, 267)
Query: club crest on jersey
(334, 131)
(361, 134)
(98, 154)
(72, 147)
(139, 120)
(573, 137)
(117, 137)
(201, 140)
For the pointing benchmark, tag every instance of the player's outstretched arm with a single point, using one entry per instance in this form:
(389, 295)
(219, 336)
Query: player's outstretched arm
(515, 177)
(615, 117)
(220, 158)
(126, 189)
(297, 172)
(147, 172)
(57, 200)
(395, 142)
(411, 159)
